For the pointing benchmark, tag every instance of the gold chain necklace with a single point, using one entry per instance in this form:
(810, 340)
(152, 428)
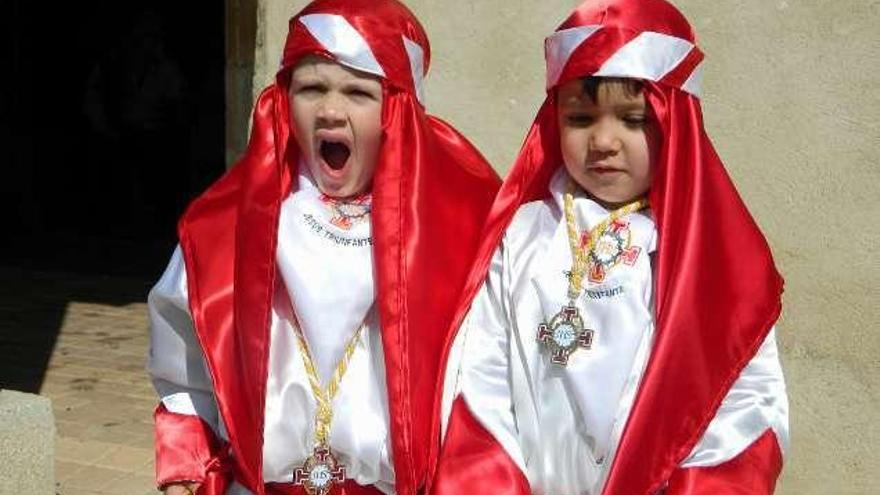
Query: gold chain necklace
(566, 331)
(322, 470)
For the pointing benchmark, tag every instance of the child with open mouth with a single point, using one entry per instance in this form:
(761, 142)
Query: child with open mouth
(298, 330)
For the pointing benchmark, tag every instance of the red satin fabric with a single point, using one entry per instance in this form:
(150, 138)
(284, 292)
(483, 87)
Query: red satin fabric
(637, 16)
(347, 488)
(473, 462)
(236, 359)
(188, 450)
(753, 472)
(425, 237)
(717, 289)
(382, 26)
(431, 192)
(718, 295)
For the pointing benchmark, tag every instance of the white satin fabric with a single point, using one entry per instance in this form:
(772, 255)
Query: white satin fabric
(649, 56)
(328, 277)
(349, 47)
(562, 425)
(340, 38)
(559, 46)
(331, 284)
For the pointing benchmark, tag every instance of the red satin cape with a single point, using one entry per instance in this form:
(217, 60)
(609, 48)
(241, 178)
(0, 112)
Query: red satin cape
(473, 461)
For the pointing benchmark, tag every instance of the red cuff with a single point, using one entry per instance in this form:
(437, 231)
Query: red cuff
(472, 461)
(188, 450)
(753, 472)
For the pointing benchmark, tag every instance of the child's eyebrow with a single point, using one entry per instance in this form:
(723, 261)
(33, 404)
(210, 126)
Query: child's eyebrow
(306, 79)
(360, 83)
(634, 105)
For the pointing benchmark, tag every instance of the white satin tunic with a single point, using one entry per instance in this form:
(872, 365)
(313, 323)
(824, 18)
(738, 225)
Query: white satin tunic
(327, 274)
(562, 425)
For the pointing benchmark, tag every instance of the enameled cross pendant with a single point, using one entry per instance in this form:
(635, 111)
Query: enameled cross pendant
(319, 472)
(564, 334)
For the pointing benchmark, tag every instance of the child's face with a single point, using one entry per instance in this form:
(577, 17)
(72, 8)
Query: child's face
(608, 144)
(337, 113)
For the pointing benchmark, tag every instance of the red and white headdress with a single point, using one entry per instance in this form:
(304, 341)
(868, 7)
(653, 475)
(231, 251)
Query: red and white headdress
(717, 289)
(388, 43)
(598, 41)
(431, 193)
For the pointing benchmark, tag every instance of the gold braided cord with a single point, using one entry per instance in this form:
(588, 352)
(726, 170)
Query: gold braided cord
(580, 256)
(324, 397)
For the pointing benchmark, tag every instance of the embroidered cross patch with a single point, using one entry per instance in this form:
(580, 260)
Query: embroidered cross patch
(612, 247)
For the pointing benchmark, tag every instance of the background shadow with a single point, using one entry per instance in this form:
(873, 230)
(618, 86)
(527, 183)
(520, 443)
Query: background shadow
(111, 121)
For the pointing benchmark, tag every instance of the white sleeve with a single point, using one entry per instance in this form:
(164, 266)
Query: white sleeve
(479, 363)
(756, 402)
(176, 364)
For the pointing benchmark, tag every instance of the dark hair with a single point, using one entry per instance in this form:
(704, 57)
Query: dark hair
(629, 86)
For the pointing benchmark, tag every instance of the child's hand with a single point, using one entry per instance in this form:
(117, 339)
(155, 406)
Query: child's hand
(181, 489)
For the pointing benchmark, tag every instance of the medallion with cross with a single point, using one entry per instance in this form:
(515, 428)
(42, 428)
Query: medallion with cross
(564, 334)
(613, 246)
(319, 472)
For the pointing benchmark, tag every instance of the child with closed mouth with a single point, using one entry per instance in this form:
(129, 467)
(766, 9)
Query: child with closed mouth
(617, 333)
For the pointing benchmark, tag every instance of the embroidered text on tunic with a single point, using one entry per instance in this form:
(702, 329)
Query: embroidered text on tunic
(319, 229)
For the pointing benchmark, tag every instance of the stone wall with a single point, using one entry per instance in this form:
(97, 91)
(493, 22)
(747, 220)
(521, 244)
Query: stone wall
(27, 444)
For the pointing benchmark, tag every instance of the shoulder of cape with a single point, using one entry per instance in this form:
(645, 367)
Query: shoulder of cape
(217, 203)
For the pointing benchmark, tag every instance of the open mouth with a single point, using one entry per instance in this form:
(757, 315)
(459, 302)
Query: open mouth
(335, 154)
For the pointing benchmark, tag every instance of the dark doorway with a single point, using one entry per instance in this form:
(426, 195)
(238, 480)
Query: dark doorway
(111, 121)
